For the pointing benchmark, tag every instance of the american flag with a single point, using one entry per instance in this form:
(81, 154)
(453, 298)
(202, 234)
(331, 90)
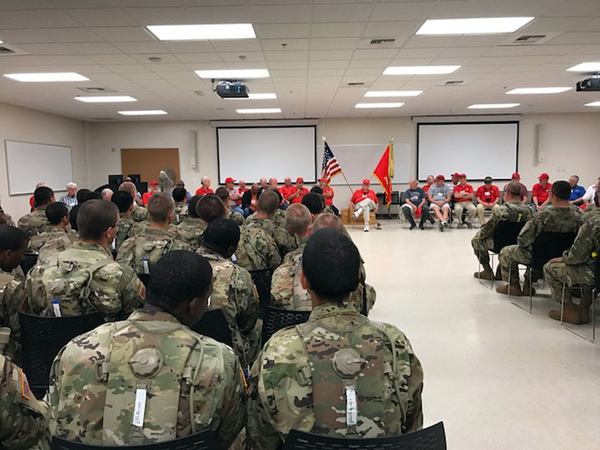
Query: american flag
(330, 167)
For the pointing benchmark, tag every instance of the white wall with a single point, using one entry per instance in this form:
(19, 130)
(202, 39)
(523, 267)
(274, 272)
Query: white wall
(23, 124)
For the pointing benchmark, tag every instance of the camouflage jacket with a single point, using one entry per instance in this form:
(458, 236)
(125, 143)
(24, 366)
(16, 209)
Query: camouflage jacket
(553, 219)
(112, 289)
(96, 408)
(9, 219)
(12, 295)
(181, 213)
(235, 216)
(235, 294)
(191, 231)
(294, 385)
(50, 242)
(284, 240)
(34, 223)
(256, 250)
(149, 245)
(140, 214)
(586, 247)
(23, 423)
(510, 211)
(298, 250)
(126, 230)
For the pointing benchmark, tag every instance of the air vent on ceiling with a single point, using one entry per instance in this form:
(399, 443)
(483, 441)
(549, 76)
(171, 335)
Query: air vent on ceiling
(6, 51)
(96, 90)
(357, 83)
(453, 82)
(103, 119)
(11, 50)
(529, 38)
(382, 41)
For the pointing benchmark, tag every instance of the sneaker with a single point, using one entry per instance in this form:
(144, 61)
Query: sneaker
(446, 225)
(469, 225)
(366, 229)
(356, 214)
(460, 225)
(432, 221)
(441, 226)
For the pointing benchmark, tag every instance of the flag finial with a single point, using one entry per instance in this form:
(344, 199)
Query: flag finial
(323, 138)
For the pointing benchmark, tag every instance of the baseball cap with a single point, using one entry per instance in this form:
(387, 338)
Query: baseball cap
(299, 180)
(488, 180)
(322, 179)
(440, 177)
(515, 176)
(455, 174)
(462, 175)
(154, 183)
(229, 180)
(544, 176)
(366, 181)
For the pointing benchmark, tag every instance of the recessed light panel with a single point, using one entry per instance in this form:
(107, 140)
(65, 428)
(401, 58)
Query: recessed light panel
(593, 104)
(489, 25)
(46, 77)
(151, 112)
(233, 74)
(106, 99)
(270, 96)
(585, 67)
(493, 105)
(259, 111)
(203, 32)
(419, 70)
(539, 90)
(378, 105)
(393, 93)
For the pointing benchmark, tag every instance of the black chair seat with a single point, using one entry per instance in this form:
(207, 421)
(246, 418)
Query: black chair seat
(262, 281)
(506, 234)
(214, 325)
(205, 440)
(548, 245)
(29, 260)
(432, 438)
(278, 318)
(43, 337)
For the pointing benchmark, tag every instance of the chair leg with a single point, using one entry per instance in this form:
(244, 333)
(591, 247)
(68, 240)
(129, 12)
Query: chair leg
(530, 290)
(562, 305)
(493, 271)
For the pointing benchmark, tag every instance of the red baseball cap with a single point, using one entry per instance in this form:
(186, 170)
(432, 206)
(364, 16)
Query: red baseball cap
(440, 177)
(455, 174)
(462, 175)
(229, 180)
(544, 176)
(299, 180)
(154, 183)
(515, 176)
(365, 181)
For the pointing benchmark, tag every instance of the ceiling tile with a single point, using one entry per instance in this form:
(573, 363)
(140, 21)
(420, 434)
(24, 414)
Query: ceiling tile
(286, 56)
(293, 30)
(419, 10)
(112, 59)
(328, 64)
(328, 13)
(375, 54)
(102, 17)
(249, 57)
(353, 29)
(430, 42)
(46, 49)
(330, 55)
(278, 65)
(577, 38)
(281, 14)
(334, 44)
(198, 57)
(100, 48)
(141, 47)
(284, 44)
(124, 34)
(381, 29)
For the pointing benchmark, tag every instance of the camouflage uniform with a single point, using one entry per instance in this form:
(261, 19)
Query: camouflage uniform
(235, 294)
(256, 250)
(149, 245)
(284, 240)
(294, 384)
(112, 289)
(68, 238)
(12, 294)
(484, 239)
(23, 423)
(579, 261)
(9, 219)
(191, 231)
(94, 403)
(34, 223)
(140, 214)
(279, 219)
(126, 230)
(181, 213)
(550, 218)
(235, 216)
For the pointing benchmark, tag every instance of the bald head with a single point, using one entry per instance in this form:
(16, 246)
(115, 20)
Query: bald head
(327, 221)
(297, 219)
(128, 186)
(413, 184)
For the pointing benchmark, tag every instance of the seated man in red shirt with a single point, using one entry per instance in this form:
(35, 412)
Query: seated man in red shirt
(328, 195)
(364, 201)
(488, 197)
(286, 189)
(298, 191)
(430, 182)
(153, 190)
(463, 199)
(541, 192)
(241, 189)
(205, 188)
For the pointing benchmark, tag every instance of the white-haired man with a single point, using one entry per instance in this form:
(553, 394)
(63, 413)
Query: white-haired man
(107, 194)
(205, 188)
(71, 198)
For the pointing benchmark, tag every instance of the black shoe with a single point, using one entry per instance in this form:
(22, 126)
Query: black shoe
(421, 226)
(432, 221)
(441, 226)
(413, 226)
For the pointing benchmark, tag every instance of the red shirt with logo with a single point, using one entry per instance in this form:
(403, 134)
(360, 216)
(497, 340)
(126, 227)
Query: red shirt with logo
(298, 198)
(488, 194)
(241, 191)
(459, 188)
(328, 201)
(146, 197)
(286, 191)
(203, 191)
(540, 192)
(359, 196)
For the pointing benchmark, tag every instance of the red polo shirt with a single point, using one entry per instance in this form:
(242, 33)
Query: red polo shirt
(203, 191)
(147, 196)
(359, 196)
(467, 188)
(488, 194)
(286, 191)
(328, 201)
(541, 193)
(298, 198)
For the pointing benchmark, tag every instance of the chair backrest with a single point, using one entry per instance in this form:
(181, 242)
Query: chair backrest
(548, 245)
(205, 440)
(597, 273)
(29, 260)
(43, 337)
(432, 438)
(506, 233)
(214, 325)
(277, 318)
(262, 281)
(395, 198)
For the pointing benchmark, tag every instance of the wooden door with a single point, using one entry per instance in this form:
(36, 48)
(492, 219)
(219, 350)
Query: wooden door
(148, 162)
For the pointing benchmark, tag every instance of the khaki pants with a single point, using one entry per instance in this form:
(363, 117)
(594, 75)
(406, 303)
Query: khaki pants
(481, 209)
(481, 247)
(558, 273)
(458, 211)
(365, 207)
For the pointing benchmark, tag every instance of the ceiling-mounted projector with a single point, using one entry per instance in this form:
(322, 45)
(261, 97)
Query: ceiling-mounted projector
(591, 84)
(232, 89)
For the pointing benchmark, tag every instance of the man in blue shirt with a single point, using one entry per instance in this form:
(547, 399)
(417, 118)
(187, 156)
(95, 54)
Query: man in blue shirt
(577, 192)
(415, 198)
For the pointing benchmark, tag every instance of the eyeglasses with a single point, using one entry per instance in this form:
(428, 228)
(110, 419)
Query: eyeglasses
(116, 225)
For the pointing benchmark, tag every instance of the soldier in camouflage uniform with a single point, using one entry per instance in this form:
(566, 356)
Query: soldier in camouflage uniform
(339, 374)
(576, 266)
(511, 211)
(57, 214)
(124, 201)
(36, 222)
(559, 217)
(85, 278)
(6, 219)
(223, 194)
(188, 382)
(143, 250)
(181, 210)
(192, 228)
(234, 291)
(139, 214)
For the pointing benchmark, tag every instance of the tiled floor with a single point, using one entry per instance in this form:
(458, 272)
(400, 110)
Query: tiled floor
(500, 378)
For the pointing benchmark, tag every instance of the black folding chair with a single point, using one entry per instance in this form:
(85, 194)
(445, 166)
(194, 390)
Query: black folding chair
(43, 337)
(432, 438)
(278, 318)
(505, 234)
(204, 440)
(262, 281)
(29, 260)
(214, 325)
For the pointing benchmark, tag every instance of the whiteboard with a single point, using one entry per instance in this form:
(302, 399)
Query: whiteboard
(28, 164)
(246, 153)
(475, 149)
(358, 161)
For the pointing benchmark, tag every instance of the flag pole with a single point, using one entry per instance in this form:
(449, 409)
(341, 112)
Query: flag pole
(324, 139)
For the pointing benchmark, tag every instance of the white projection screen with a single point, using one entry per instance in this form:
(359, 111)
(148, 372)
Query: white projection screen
(476, 149)
(254, 152)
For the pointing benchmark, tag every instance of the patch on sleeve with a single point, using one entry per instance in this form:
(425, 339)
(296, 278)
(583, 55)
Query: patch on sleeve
(142, 291)
(25, 390)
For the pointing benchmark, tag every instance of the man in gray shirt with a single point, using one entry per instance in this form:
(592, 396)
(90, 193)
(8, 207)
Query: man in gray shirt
(415, 199)
(439, 196)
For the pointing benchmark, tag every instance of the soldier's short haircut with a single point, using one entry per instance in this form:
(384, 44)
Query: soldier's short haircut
(42, 195)
(222, 193)
(92, 195)
(268, 202)
(179, 194)
(11, 238)
(73, 216)
(279, 196)
(160, 205)
(129, 187)
(562, 189)
(192, 206)
(81, 194)
(55, 212)
(314, 202)
(211, 207)
(327, 221)
(316, 190)
(514, 188)
(331, 263)
(178, 277)
(123, 200)
(222, 233)
(297, 218)
(95, 217)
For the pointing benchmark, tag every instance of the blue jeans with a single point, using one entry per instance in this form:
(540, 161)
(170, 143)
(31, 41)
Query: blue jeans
(247, 212)
(237, 209)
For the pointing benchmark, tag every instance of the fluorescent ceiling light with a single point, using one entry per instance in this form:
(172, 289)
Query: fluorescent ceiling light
(203, 32)
(593, 104)
(106, 99)
(419, 70)
(259, 111)
(539, 90)
(491, 25)
(585, 67)
(255, 97)
(493, 105)
(46, 77)
(233, 74)
(151, 112)
(378, 105)
(393, 93)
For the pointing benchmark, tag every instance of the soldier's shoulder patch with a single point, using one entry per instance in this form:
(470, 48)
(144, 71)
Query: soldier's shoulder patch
(142, 291)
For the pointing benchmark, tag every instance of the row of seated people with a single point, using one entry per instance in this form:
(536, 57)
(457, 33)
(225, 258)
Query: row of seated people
(575, 266)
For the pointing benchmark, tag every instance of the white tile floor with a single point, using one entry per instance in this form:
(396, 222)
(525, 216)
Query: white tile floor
(500, 378)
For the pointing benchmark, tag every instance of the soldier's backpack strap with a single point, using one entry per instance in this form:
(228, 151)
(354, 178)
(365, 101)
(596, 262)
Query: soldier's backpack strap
(249, 241)
(85, 292)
